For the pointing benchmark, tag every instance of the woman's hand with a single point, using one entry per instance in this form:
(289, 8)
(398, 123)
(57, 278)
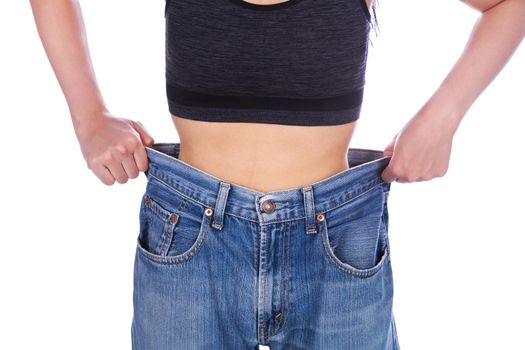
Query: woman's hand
(421, 150)
(114, 147)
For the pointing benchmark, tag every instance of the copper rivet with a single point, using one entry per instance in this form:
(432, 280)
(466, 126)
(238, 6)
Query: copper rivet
(148, 201)
(173, 218)
(268, 206)
(320, 217)
(208, 211)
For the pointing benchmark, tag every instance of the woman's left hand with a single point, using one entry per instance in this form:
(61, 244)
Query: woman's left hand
(421, 150)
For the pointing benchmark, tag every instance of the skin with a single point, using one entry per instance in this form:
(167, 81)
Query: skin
(269, 157)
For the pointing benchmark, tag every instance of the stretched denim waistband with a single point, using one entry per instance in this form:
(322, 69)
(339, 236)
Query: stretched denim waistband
(364, 172)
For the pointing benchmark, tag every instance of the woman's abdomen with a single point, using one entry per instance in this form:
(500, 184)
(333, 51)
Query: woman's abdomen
(264, 157)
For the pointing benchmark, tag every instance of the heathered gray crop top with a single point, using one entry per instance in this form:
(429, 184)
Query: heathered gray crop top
(299, 62)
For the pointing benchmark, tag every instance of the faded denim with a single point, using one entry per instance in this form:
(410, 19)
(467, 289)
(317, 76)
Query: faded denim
(222, 266)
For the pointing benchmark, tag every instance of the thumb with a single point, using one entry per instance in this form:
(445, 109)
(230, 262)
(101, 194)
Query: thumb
(387, 174)
(389, 150)
(145, 136)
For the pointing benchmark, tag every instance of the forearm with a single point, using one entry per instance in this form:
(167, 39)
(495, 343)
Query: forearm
(493, 40)
(61, 29)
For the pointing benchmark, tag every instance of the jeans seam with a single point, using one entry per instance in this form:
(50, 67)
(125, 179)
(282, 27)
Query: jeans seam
(175, 260)
(284, 293)
(348, 269)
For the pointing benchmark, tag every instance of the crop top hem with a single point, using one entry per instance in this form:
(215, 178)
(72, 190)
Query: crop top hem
(333, 110)
(284, 117)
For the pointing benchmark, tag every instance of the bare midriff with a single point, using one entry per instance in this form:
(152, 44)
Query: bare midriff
(264, 157)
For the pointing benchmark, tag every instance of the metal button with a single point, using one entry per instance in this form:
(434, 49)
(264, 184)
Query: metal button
(268, 206)
(173, 218)
(320, 217)
(208, 211)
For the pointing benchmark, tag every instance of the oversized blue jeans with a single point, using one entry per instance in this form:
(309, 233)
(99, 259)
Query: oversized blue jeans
(222, 266)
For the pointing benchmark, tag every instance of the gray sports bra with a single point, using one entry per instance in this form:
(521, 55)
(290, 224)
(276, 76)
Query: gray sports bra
(299, 62)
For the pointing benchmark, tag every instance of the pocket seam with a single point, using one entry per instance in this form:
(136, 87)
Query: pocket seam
(345, 267)
(164, 214)
(187, 255)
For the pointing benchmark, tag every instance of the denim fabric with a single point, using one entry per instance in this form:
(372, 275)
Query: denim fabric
(222, 266)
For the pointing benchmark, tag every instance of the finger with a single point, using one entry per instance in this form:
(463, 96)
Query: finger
(130, 167)
(388, 175)
(103, 174)
(145, 136)
(141, 158)
(118, 172)
(389, 150)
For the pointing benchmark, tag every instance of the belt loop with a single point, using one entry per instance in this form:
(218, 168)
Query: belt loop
(220, 204)
(309, 209)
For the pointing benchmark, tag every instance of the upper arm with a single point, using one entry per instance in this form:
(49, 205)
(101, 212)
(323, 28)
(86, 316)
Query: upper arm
(482, 5)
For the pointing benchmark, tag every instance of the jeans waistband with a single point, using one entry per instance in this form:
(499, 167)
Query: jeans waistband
(364, 172)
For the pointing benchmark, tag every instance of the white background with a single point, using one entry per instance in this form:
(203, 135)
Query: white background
(68, 241)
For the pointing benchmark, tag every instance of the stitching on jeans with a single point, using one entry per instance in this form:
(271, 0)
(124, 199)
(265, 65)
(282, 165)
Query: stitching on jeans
(177, 260)
(264, 324)
(347, 268)
(372, 184)
(168, 240)
(255, 276)
(159, 210)
(189, 198)
(284, 293)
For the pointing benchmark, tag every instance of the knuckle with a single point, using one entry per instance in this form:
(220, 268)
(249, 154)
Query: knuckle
(396, 170)
(132, 142)
(396, 174)
(93, 162)
(105, 157)
(120, 149)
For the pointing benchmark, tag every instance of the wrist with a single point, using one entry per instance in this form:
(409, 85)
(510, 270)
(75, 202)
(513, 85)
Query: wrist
(446, 114)
(85, 121)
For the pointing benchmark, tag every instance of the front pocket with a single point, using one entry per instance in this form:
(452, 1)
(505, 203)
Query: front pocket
(170, 236)
(354, 236)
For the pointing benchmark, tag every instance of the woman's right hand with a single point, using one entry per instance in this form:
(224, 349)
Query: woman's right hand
(114, 147)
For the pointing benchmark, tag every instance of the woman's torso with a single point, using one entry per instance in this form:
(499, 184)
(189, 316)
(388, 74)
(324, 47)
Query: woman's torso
(265, 157)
